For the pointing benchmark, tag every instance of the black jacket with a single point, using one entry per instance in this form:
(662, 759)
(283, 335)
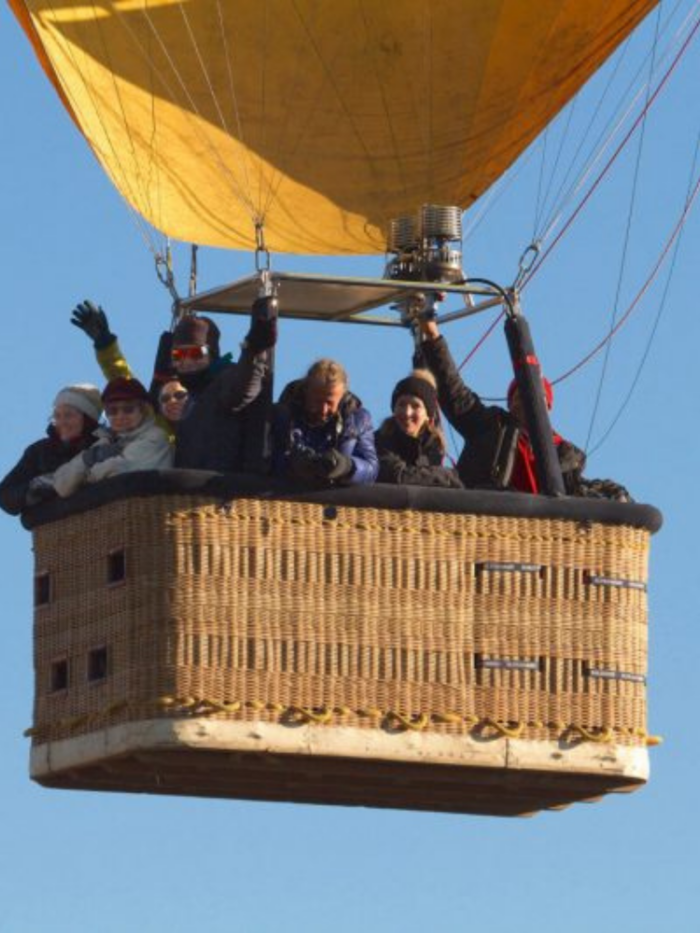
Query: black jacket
(412, 461)
(491, 433)
(40, 458)
(212, 434)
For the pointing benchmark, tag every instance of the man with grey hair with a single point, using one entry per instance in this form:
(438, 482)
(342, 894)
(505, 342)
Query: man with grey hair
(321, 433)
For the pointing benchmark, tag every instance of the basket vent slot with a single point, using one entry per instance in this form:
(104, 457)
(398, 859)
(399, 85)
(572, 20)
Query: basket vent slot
(116, 566)
(42, 589)
(58, 675)
(97, 664)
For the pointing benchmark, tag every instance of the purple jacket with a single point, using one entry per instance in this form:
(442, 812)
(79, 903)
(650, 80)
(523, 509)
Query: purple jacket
(350, 432)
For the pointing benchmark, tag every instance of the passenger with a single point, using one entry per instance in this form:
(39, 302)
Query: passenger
(173, 399)
(321, 432)
(92, 320)
(76, 412)
(410, 444)
(211, 433)
(132, 442)
(498, 453)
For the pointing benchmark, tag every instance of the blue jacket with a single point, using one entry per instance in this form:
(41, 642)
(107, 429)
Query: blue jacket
(350, 432)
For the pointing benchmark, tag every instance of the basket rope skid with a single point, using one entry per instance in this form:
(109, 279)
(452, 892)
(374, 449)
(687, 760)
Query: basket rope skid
(281, 611)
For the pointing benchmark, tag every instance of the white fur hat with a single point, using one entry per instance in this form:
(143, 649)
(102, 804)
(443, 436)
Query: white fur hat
(84, 397)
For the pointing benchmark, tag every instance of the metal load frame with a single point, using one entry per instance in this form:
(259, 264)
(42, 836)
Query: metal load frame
(341, 299)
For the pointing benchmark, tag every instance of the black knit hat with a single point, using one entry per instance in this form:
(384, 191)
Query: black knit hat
(420, 388)
(193, 331)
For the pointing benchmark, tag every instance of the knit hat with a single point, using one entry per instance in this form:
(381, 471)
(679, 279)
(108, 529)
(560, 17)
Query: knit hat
(193, 331)
(546, 385)
(122, 389)
(420, 388)
(82, 396)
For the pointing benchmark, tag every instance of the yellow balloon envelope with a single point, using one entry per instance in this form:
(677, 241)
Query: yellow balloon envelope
(320, 119)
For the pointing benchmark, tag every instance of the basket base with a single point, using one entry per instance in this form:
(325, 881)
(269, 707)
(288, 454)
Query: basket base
(348, 766)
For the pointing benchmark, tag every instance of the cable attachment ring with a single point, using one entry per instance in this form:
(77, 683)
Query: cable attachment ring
(527, 261)
(262, 253)
(164, 271)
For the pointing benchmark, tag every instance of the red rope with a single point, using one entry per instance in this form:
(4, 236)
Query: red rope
(642, 291)
(487, 333)
(482, 340)
(613, 158)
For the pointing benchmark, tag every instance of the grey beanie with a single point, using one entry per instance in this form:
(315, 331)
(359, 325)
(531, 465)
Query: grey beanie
(84, 397)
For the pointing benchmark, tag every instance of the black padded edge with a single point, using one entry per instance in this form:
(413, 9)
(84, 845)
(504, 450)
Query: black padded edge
(228, 486)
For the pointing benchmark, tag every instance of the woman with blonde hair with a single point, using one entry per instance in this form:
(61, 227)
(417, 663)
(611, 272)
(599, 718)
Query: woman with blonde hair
(410, 444)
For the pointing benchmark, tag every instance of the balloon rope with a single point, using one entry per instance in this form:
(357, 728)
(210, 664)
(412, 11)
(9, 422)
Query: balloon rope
(234, 96)
(236, 187)
(141, 225)
(608, 165)
(210, 86)
(625, 245)
(613, 158)
(662, 307)
(565, 195)
(642, 291)
(482, 340)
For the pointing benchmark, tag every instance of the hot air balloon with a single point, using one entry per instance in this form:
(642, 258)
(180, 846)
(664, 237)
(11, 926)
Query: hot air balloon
(464, 651)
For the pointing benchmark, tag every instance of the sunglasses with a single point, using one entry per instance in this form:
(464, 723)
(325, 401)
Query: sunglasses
(178, 396)
(179, 354)
(122, 408)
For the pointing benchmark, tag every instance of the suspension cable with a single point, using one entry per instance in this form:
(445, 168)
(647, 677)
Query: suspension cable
(642, 291)
(164, 271)
(625, 246)
(606, 136)
(657, 320)
(557, 159)
(613, 158)
(606, 168)
(141, 225)
(236, 188)
(495, 193)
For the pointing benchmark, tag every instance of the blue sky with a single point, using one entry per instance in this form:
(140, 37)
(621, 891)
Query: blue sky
(74, 862)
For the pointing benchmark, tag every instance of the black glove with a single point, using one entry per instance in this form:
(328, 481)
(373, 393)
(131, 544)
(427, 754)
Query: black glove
(264, 309)
(303, 463)
(332, 465)
(92, 319)
(261, 336)
(40, 488)
(603, 489)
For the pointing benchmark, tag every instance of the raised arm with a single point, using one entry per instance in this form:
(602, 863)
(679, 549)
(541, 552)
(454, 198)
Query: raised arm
(241, 385)
(461, 406)
(92, 320)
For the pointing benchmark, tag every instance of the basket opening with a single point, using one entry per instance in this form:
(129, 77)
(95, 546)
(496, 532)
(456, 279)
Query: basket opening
(116, 566)
(98, 664)
(42, 589)
(58, 675)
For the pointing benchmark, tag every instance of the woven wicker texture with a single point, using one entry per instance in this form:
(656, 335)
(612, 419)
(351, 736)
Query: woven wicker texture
(285, 611)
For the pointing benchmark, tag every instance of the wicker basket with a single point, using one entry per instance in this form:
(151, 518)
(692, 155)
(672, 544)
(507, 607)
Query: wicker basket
(363, 636)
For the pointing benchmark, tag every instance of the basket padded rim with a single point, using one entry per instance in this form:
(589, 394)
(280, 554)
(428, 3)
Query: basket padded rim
(229, 486)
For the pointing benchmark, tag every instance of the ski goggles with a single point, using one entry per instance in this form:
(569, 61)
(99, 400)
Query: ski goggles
(192, 352)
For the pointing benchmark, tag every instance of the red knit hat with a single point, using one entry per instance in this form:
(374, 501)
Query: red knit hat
(122, 389)
(546, 385)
